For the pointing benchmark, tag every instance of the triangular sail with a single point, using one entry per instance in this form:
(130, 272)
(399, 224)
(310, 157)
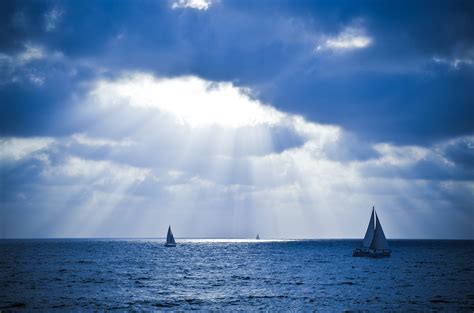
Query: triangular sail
(258, 237)
(379, 242)
(369, 234)
(170, 237)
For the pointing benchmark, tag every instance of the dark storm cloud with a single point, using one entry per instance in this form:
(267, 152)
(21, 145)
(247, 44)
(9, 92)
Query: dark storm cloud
(400, 108)
(29, 110)
(391, 90)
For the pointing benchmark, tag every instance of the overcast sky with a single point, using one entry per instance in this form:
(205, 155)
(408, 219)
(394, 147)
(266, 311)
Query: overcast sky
(224, 118)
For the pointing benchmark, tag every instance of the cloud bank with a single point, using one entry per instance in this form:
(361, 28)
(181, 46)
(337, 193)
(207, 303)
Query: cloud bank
(224, 118)
(214, 162)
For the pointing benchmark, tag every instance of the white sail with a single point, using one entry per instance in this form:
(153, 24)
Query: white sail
(170, 237)
(369, 234)
(379, 241)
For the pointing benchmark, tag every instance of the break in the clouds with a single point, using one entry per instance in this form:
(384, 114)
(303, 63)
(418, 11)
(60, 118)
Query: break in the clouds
(219, 103)
(151, 157)
(228, 118)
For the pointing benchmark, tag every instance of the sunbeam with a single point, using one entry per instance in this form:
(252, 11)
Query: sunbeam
(214, 162)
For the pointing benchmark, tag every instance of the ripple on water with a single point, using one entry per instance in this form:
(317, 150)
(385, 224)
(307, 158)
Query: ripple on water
(209, 275)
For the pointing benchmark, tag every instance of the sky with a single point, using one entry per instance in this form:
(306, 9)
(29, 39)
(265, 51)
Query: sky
(226, 118)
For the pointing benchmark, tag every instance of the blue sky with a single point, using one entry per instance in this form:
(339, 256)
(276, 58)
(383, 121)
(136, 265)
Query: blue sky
(227, 118)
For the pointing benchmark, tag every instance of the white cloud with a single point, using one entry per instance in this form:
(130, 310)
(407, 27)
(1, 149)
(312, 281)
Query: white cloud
(455, 63)
(192, 4)
(36, 79)
(190, 100)
(350, 38)
(31, 53)
(201, 156)
(21, 67)
(83, 139)
(52, 18)
(104, 170)
(400, 155)
(15, 149)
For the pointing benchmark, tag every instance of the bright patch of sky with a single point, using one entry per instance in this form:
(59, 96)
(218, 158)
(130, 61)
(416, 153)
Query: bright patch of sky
(191, 100)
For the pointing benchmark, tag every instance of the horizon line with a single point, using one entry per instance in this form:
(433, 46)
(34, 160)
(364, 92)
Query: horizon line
(221, 238)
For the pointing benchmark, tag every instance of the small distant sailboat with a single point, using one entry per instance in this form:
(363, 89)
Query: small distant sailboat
(258, 237)
(170, 242)
(375, 244)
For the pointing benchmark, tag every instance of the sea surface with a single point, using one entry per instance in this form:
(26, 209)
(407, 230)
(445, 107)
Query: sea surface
(299, 275)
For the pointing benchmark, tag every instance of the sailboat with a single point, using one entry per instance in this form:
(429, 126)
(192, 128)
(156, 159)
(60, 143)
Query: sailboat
(258, 237)
(375, 244)
(170, 239)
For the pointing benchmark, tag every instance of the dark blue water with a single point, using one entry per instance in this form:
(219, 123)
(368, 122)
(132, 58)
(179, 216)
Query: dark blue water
(210, 275)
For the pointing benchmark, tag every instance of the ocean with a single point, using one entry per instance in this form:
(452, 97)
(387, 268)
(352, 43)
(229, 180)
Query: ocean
(245, 275)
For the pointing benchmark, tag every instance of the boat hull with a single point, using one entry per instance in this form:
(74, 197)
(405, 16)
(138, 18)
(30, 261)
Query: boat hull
(170, 245)
(371, 253)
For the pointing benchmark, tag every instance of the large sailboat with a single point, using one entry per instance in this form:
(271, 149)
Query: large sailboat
(170, 242)
(375, 244)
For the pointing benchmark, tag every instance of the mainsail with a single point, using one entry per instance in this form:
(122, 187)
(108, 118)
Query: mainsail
(170, 237)
(369, 234)
(375, 244)
(379, 241)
